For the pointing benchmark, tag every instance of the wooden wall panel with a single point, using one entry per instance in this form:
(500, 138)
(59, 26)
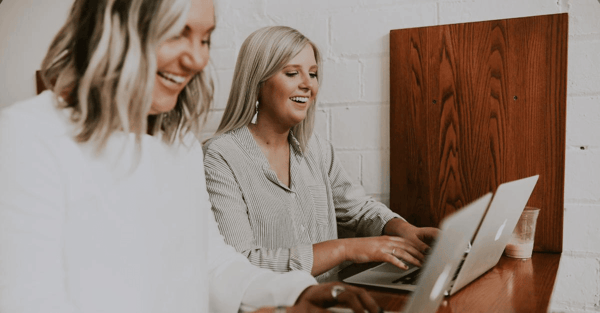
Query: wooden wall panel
(475, 105)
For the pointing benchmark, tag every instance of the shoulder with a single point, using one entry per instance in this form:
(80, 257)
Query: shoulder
(33, 141)
(222, 142)
(228, 146)
(38, 116)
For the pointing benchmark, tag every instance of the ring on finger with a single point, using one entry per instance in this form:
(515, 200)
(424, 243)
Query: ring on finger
(336, 291)
(394, 251)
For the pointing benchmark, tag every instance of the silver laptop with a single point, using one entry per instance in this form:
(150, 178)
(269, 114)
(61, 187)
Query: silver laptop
(493, 233)
(437, 273)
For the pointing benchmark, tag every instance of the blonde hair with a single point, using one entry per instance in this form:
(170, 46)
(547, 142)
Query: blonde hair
(102, 63)
(264, 53)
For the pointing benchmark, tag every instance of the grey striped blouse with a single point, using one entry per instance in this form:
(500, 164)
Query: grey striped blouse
(276, 226)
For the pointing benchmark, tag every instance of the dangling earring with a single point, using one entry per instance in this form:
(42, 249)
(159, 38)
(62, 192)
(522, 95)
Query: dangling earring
(255, 114)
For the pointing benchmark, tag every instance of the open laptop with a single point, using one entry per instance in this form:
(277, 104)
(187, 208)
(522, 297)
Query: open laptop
(493, 233)
(456, 230)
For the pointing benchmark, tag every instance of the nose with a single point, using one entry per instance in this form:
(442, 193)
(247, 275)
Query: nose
(196, 56)
(306, 81)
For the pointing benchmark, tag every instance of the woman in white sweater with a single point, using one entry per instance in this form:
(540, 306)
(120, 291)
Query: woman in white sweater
(103, 202)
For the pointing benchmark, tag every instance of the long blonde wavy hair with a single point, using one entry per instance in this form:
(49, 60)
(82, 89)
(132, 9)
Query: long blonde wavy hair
(264, 53)
(102, 63)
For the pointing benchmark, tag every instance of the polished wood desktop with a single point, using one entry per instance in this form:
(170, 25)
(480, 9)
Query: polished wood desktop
(513, 285)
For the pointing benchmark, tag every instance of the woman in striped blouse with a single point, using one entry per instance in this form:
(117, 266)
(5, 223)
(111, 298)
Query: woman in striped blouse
(279, 192)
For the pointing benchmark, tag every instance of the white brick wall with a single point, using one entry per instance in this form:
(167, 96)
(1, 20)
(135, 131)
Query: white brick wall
(354, 100)
(366, 31)
(483, 10)
(341, 81)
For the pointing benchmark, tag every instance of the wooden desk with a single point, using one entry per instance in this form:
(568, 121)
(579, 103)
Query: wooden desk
(513, 285)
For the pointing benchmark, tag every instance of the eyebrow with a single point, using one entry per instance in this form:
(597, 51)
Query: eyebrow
(210, 30)
(295, 66)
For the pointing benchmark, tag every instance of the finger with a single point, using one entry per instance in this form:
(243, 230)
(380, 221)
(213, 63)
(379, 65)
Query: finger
(408, 258)
(421, 246)
(394, 260)
(350, 299)
(398, 243)
(428, 235)
(365, 298)
(415, 242)
(408, 248)
(367, 301)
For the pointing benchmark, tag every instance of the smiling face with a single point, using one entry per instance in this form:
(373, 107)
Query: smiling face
(287, 95)
(183, 56)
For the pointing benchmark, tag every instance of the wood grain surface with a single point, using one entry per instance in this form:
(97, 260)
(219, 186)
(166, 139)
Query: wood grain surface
(513, 285)
(474, 105)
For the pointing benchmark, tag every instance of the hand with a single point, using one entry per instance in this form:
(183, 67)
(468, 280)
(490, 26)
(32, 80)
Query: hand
(382, 249)
(419, 237)
(317, 298)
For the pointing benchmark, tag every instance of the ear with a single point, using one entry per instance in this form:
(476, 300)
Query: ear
(259, 93)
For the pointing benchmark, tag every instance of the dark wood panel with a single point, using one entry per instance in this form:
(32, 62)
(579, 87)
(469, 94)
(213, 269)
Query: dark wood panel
(538, 117)
(475, 105)
(513, 285)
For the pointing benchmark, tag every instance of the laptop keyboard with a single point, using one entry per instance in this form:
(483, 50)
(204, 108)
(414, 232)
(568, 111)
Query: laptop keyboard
(412, 277)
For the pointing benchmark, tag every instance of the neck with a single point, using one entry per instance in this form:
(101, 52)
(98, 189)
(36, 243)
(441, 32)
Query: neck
(269, 136)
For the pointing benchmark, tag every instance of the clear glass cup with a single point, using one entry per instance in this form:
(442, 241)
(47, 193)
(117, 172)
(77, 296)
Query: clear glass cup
(520, 244)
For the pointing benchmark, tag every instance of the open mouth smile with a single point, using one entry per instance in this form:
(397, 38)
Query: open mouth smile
(299, 99)
(172, 77)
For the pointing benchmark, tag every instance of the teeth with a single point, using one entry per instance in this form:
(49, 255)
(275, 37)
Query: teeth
(300, 99)
(172, 77)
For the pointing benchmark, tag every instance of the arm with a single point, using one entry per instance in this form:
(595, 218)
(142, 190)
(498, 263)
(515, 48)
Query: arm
(234, 282)
(355, 211)
(358, 212)
(230, 211)
(32, 211)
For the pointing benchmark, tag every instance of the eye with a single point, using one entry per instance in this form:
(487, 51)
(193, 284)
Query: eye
(184, 33)
(313, 75)
(206, 41)
(176, 37)
(291, 74)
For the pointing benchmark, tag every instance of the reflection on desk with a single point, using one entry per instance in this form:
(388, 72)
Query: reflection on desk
(513, 285)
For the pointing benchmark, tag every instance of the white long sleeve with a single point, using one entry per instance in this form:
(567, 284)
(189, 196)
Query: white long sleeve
(85, 233)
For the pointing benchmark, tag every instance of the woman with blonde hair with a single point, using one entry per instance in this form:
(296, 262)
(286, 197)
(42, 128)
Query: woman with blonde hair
(103, 203)
(279, 192)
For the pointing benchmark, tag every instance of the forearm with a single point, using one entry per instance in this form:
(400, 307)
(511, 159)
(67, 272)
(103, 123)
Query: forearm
(298, 258)
(328, 254)
(395, 226)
